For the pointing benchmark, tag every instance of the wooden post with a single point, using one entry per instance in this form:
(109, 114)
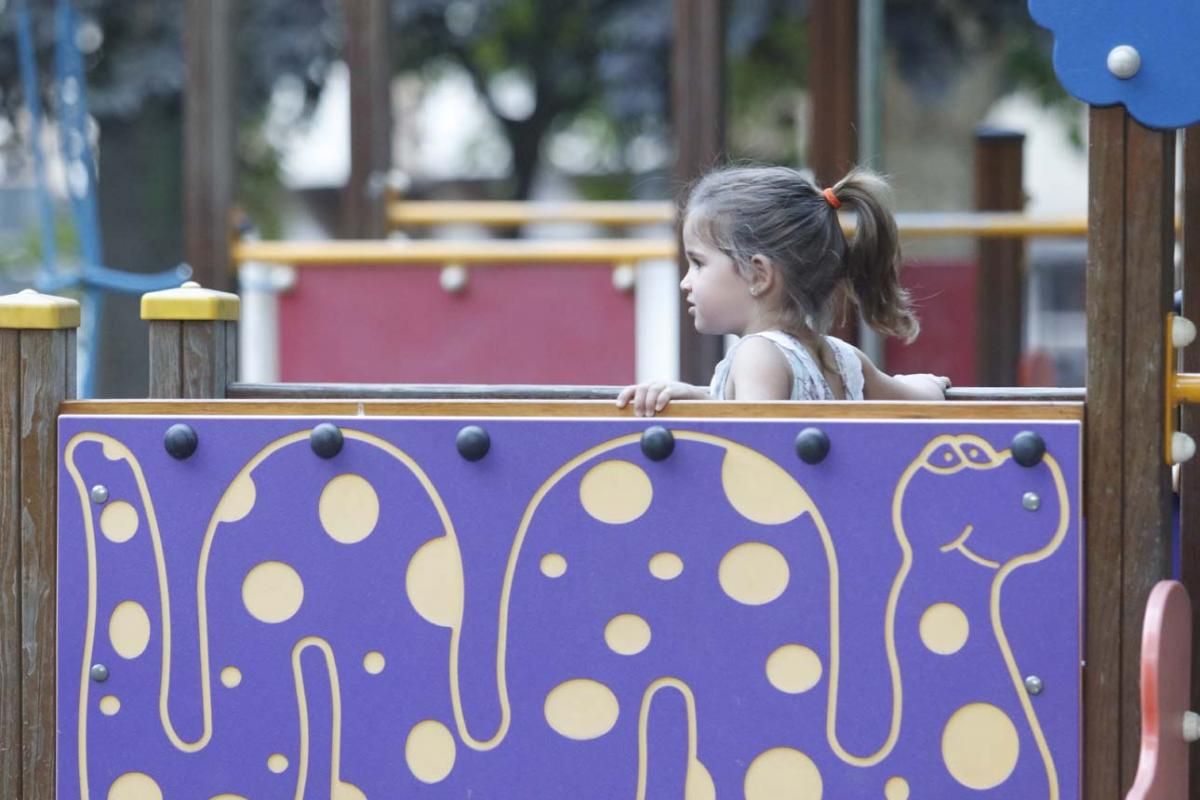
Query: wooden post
(193, 342)
(366, 53)
(833, 131)
(698, 113)
(999, 306)
(37, 372)
(833, 88)
(208, 140)
(1189, 483)
(1128, 499)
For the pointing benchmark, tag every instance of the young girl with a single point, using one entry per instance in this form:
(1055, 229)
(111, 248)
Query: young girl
(766, 254)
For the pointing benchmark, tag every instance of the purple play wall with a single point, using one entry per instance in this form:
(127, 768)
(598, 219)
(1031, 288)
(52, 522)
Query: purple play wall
(511, 628)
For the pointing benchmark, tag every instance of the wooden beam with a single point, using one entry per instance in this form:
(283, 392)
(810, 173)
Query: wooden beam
(698, 116)
(209, 119)
(833, 88)
(833, 130)
(367, 26)
(1147, 502)
(1189, 484)
(999, 304)
(10, 563)
(1103, 473)
(1128, 498)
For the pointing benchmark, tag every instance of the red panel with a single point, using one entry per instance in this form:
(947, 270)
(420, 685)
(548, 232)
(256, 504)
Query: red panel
(944, 295)
(510, 325)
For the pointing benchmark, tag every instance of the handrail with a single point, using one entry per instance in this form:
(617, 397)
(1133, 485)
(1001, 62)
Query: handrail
(434, 253)
(912, 224)
(501, 212)
(404, 391)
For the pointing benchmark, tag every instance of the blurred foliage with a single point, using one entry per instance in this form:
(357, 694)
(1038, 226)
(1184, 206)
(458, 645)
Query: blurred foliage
(606, 58)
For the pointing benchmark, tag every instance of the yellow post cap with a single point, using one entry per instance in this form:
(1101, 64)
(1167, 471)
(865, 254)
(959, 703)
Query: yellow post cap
(31, 310)
(190, 302)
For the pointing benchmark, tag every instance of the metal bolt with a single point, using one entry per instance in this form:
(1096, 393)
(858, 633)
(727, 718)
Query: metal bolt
(99, 494)
(1123, 62)
(99, 673)
(1031, 501)
(1033, 684)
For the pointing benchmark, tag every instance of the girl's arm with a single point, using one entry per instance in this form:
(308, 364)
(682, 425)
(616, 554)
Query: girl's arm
(759, 372)
(653, 396)
(878, 385)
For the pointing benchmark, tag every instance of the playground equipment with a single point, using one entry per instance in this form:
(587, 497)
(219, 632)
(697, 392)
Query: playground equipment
(93, 277)
(373, 595)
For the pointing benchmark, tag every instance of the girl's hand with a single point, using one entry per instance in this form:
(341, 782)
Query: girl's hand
(653, 396)
(924, 382)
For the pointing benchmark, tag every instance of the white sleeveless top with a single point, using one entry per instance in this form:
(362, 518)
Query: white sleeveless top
(808, 382)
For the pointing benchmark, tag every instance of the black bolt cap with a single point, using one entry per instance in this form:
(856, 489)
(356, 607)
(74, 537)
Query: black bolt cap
(473, 442)
(1028, 449)
(326, 440)
(657, 443)
(180, 441)
(812, 445)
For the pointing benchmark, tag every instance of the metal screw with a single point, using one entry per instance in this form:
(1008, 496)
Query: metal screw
(1124, 61)
(99, 673)
(99, 494)
(1033, 684)
(1031, 501)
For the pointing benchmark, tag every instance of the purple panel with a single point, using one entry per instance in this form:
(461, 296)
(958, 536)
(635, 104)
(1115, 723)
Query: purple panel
(895, 498)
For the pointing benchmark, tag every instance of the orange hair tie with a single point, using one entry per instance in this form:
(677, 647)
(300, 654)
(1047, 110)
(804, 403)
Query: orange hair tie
(831, 198)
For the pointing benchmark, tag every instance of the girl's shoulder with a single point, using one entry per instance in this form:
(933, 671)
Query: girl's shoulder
(849, 366)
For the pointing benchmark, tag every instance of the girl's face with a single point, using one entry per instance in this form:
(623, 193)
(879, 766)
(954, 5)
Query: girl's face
(717, 295)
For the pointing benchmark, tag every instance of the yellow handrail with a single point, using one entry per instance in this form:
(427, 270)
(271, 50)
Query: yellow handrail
(434, 253)
(499, 213)
(547, 252)
(912, 224)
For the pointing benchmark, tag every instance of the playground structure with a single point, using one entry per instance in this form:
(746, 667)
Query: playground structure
(498, 483)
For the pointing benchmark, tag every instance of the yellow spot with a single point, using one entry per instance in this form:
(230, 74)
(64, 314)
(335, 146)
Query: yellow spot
(435, 582)
(272, 592)
(349, 508)
(374, 662)
(553, 565)
(134, 786)
(616, 492)
(581, 709)
(238, 500)
(944, 628)
(430, 751)
(119, 522)
(896, 789)
(113, 450)
(666, 566)
(699, 784)
(129, 629)
(277, 763)
(753, 573)
(980, 746)
(227, 797)
(231, 677)
(759, 488)
(627, 634)
(347, 791)
(109, 705)
(793, 669)
(783, 774)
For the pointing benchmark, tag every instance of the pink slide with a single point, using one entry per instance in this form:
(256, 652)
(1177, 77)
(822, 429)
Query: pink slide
(1166, 672)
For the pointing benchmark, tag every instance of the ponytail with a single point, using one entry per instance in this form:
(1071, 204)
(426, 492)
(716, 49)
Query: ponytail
(873, 256)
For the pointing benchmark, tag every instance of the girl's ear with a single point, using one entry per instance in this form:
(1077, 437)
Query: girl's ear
(763, 276)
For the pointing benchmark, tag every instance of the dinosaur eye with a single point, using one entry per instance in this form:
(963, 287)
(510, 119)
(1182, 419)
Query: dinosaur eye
(977, 455)
(944, 457)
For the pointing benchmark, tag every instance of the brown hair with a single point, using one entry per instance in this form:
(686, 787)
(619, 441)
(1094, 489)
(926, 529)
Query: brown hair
(778, 213)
